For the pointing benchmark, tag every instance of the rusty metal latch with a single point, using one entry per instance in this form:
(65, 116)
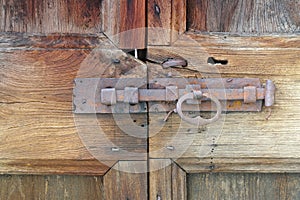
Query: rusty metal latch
(136, 95)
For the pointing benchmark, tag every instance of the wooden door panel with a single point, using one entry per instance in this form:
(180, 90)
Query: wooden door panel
(243, 186)
(264, 141)
(38, 132)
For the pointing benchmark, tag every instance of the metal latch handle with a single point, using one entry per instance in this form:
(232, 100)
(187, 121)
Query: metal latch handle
(198, 120)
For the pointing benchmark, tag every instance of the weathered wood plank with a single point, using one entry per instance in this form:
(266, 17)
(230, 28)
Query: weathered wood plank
(166, 21)
(178, 19)
(243, 186)
(244, 16)
(124, 23)
(244, 141)
(38, 133)
(9, 41)
(160, 179)
(159, 22)
(50, 16)
(167, 180)
(50, 187)
(127, 180)
(179, 183)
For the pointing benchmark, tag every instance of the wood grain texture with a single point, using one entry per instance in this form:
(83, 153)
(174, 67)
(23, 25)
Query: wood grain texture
(245, 141)
(167, 180)
(124, 23)
(166, 21)
(50, 16)
(245, 16)
(38, 133)
(159, 22)
(178, 27)
(50, 187)
(121, 184)
(243, 186)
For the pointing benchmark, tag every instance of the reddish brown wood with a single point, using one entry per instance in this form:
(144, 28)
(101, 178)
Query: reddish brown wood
(166, 21)
(50, 16)
(124, 22)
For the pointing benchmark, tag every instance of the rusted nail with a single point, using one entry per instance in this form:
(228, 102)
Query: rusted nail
(171, 148)
(229, 80)
(116, 61)
(174, 62)
(115, 149)
(156, 9)
(168, 115)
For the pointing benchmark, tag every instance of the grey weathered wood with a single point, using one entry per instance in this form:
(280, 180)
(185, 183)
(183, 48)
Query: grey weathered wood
(127, 180)
(243, 186)
(167, 180)
(245, 16)
(50, 187)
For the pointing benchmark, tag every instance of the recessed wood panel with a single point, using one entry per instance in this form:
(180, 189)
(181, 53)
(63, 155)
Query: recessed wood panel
(243, 186)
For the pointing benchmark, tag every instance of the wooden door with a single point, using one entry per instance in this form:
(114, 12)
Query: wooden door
(43, 151)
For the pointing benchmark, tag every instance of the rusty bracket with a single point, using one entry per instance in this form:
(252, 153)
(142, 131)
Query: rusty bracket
(135, 95)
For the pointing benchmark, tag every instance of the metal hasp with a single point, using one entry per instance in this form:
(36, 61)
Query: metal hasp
(136, 95)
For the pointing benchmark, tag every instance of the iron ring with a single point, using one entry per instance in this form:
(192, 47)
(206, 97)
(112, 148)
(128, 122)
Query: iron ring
(198, 120)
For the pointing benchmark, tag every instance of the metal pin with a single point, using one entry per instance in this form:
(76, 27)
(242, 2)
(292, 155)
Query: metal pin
(136, 54)
(169, 114)
(171, 148)
(229, 80)
(156, 9)
(115, 149)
